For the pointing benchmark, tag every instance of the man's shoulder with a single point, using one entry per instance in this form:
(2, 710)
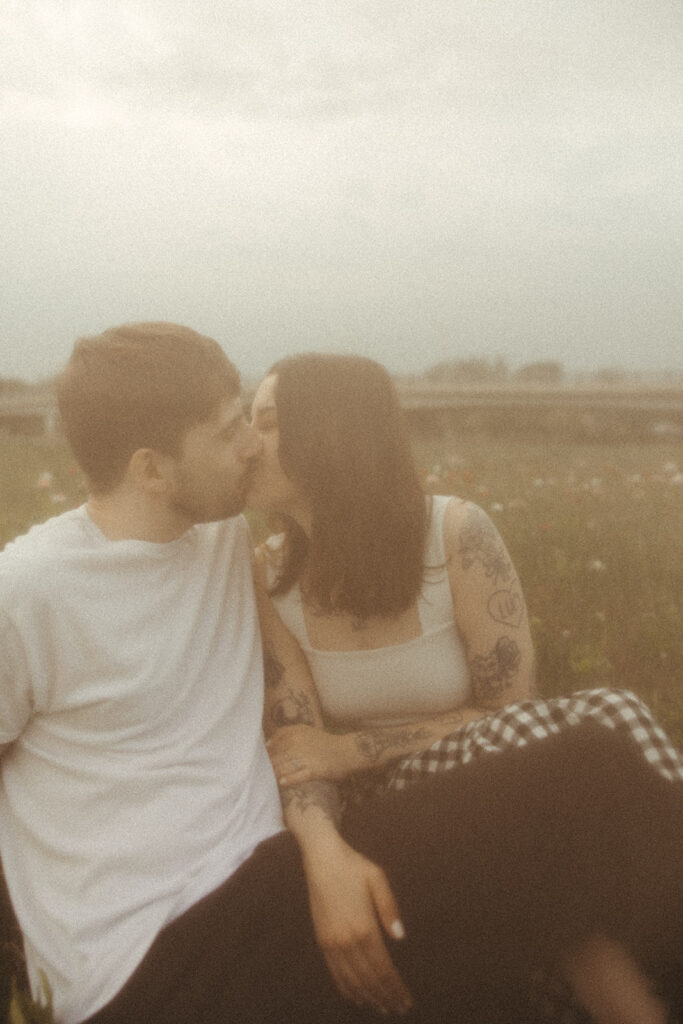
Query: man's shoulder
(225, 539)
(34, 560)
(45, 540)
(235, 528)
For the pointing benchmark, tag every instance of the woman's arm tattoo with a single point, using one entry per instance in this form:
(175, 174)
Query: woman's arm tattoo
(273, 669)
(506, 607)
(480, 542)
(494, 672)
(319, 794)
(292, 709)
(372, 743)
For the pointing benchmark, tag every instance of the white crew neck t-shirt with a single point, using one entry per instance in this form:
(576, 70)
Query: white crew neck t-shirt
(133, 774)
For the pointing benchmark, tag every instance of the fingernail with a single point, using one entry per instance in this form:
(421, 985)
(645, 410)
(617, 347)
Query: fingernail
(397, 930)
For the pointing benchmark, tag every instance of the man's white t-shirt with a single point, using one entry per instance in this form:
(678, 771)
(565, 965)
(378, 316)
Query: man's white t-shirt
(133, 778)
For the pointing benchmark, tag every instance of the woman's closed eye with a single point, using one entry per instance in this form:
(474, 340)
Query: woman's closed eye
(264, 421)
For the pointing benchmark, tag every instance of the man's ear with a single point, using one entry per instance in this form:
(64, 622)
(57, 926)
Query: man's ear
(150, 469)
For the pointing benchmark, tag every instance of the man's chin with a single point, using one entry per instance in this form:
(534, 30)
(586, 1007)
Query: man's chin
(252, 499)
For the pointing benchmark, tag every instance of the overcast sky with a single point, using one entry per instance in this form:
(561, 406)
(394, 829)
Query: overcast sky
(415, 179)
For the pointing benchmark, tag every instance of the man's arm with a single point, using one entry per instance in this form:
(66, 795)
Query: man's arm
(16, 697)
(350, 897)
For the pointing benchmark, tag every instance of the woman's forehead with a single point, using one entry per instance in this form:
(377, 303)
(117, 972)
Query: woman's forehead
(265, 393)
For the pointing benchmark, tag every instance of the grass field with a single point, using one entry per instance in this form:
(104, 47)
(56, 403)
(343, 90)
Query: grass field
(594, 530)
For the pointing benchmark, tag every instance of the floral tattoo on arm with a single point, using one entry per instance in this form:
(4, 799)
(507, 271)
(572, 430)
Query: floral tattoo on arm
(288, 706)
(273, 669)
(317, 794)
(480, 542)
(494, 672)
(372, 743)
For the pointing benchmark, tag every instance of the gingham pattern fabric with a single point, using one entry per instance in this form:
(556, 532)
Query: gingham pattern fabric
(533, 720)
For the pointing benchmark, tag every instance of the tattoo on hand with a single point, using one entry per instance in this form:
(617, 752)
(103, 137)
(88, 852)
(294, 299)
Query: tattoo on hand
(293, 709)
(372, 743)
(493, 673)
(322, 795)
(480, 542)
(273, 669)
(506, 607)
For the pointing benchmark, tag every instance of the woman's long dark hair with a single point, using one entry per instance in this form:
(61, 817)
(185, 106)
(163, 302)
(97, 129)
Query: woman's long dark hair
(344, 443)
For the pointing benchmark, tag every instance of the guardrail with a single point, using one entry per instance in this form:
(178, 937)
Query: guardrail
(35, 411)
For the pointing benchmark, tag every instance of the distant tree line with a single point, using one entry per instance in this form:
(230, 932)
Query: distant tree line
(495, 371)
(12, 385)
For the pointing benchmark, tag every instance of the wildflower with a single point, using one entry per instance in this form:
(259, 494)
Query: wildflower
(432, 480)
(677, 478)
(538, 481)
(597, 566)
(496, 507)
(44, 480)
(57, 498)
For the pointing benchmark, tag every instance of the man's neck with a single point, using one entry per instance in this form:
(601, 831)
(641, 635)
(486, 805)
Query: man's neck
(126, 516)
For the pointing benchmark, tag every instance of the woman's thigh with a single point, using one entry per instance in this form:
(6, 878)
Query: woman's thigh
(517, 857)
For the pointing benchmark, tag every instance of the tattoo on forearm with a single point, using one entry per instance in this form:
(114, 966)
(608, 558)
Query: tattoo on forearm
(372, 743)
(494, 672)
(322, 795)
(273, 669)
(292, 709)
(480, 542)
(506, 607)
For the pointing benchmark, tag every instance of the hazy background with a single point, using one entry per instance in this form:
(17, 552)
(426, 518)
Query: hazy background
(420, 180)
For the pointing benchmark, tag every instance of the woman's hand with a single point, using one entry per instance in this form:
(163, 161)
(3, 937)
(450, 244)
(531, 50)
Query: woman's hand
(300, 753)
(353, 911)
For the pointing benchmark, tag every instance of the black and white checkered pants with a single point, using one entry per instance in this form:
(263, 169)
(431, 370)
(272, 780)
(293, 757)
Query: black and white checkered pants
(517, 725)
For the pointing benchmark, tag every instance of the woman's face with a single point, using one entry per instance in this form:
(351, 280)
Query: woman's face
(271, 489)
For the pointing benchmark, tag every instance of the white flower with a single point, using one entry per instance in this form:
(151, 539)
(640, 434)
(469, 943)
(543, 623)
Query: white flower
(496, 507)
(44, 480)
(597, 566)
